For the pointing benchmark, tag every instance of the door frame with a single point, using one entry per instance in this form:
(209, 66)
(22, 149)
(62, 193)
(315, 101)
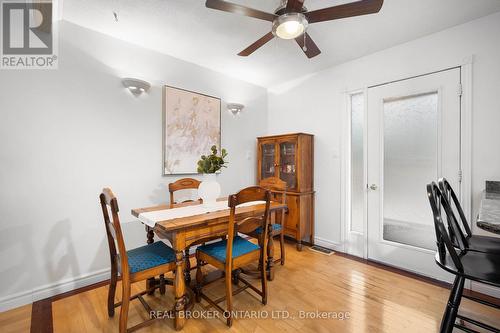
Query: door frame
(356, 243)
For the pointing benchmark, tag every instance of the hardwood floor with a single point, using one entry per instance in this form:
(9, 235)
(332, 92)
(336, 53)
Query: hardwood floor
(16, 320)
(377, 300)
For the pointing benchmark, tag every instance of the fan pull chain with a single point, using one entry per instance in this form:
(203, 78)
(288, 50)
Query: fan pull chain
(304, 47)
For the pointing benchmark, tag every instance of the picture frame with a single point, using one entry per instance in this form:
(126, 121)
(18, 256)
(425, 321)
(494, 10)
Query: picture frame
(191, 124)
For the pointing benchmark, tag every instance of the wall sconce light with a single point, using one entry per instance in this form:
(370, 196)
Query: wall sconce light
(235, 108)
(136, 86)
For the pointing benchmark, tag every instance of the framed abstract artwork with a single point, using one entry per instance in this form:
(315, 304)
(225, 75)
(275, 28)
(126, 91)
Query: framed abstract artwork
(191, 125)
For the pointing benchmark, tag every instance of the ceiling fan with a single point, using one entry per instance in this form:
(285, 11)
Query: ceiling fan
(291, 18)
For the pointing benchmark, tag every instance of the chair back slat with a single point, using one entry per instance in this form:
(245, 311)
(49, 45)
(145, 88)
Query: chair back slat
(452, 198)
(444, 244)
(278, 194)
(182, 184)
(109, 205)
(252, 193)
(249, 194)
(248, 225)
(455, 231)
(273, 184)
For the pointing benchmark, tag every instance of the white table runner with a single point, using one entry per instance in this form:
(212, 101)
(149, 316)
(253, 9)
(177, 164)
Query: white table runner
(151, 218)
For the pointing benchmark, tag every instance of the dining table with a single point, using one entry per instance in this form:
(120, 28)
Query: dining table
(189, 224)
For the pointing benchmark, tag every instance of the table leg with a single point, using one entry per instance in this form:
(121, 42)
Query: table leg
(180, 290)
(150, 235)
(150, 239)
(187, 270)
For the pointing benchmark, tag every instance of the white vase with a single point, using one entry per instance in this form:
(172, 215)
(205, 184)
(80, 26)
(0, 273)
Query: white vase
(209, 189)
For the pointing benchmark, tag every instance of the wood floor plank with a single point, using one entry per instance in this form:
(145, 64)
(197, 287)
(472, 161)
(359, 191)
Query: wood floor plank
(16, 320)
(376, 299)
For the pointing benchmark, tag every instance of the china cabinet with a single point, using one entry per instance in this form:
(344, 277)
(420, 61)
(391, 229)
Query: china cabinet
(290, 157)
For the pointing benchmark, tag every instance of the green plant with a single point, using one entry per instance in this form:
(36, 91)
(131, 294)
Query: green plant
(212, 163)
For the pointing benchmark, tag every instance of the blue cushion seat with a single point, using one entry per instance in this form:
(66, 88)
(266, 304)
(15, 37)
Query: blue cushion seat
(274, 227)
(217, 250)
(149, 256)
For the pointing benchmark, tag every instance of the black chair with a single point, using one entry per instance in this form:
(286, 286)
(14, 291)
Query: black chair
(461, 262)
(471, 242)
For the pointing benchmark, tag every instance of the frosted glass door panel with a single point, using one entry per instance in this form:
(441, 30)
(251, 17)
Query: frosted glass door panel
(357, 163)
(413, 138)
(410, 144)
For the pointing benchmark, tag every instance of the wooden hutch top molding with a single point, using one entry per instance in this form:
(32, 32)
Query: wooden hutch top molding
(283, 135)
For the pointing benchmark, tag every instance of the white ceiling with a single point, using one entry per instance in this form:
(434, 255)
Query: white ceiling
(186, 29)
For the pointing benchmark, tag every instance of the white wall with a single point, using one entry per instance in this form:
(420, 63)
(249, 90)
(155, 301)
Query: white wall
(315, 104)
(65, 134)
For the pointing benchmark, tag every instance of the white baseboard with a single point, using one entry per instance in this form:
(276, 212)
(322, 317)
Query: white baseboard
(49, 290)
(485, 289)
(16, 300)
(328, 244)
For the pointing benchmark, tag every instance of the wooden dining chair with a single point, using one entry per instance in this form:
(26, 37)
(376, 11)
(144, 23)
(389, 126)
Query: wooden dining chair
(235, 251)
(133, 265)
(278, 194)
(182, 184)
(178, 185)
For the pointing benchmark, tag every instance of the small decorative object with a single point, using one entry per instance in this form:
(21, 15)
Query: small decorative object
(209, 189)
(191, 125)
(235, 108)
(136, 86)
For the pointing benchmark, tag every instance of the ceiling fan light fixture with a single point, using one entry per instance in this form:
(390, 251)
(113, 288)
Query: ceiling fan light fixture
(290, 25)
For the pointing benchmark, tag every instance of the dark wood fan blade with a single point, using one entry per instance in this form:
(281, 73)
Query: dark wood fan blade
(251, 49)
(294, 6)
(312, 49)
(238, 9)
(357, 8)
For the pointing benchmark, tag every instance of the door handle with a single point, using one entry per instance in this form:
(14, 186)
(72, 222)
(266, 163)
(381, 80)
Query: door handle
(373, 187)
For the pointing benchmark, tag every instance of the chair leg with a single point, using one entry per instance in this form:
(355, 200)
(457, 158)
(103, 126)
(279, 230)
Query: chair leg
(229, 298)
(263, 279)
(162, 284)
(270, 257)
(112, 290)
(199, 280)
(282, 248)
(261, 244)
(450, 314)
(235, 274)
(125, 305)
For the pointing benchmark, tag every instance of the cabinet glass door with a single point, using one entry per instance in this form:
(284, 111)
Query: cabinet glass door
(268, 164)
(288, 168)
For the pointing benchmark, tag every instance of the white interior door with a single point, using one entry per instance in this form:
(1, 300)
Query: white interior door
(413, 139)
